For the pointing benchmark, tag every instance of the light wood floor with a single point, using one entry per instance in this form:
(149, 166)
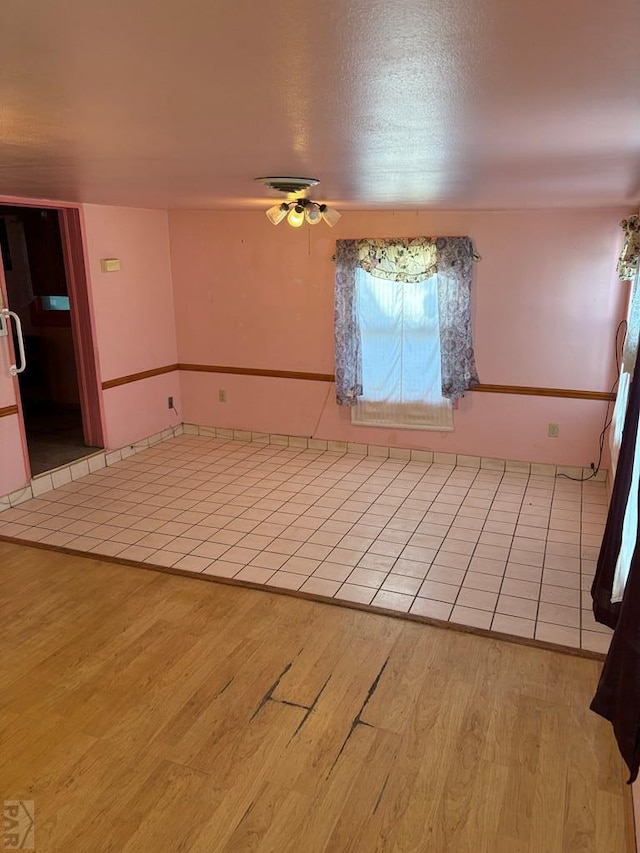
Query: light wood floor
(149, 712)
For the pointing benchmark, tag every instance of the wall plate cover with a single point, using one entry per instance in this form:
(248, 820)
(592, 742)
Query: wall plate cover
(110, 264)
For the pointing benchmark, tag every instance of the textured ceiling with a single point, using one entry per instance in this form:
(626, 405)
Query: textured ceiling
(401, 103)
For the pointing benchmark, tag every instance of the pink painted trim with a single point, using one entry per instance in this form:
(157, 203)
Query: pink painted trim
(81, 324)
(37, 202)
(92, 318)
(4, 300)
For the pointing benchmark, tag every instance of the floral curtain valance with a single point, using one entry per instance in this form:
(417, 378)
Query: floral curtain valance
(630, 255)
(414, 259)
(409, 261)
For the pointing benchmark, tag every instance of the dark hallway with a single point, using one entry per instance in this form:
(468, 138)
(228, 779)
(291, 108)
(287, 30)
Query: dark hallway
(37, 292)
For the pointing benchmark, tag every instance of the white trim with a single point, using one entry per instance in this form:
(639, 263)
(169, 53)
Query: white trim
(454, 459)
(49, 480)
(80, 468)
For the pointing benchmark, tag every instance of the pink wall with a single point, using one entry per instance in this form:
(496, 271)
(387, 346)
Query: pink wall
(546, 305)
(13, 472)
(134, 318)
(147, 400)
(7, 383)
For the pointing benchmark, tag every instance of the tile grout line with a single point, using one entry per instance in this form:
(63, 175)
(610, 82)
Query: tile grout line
(421, 521)
(336, 509)
(455, 601)
(384, 527)
(504, 575)
(544, 560)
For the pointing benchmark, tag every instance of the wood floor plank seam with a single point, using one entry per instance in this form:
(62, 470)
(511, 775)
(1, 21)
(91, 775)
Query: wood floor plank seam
(357, 720)
(267, 696)
(310, 709)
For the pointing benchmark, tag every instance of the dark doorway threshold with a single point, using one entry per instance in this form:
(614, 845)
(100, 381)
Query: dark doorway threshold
(54, 436)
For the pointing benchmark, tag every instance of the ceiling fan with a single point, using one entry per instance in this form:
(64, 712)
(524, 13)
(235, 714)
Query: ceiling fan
(300, 209)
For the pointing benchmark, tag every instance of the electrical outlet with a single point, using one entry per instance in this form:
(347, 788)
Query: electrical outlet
(222, 396)
(554, 430)
(170, 402)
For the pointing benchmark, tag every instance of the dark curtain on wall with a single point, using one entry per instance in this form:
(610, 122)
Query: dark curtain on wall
(617, 698)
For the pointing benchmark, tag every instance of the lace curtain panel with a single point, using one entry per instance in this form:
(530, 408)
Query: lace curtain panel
(409, 261)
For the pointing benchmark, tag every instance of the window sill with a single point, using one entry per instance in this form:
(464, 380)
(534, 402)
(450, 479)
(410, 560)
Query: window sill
(412, 416)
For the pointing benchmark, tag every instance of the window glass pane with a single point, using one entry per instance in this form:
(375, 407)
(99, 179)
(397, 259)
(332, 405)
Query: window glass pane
(401, 372)
(399, 328)
(380, 318)
(421, 374)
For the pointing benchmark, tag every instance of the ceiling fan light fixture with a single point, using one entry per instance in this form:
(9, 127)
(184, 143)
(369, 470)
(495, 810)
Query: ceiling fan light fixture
(312, 213)
(329, 215)
(295, 217)
(276, 214)
(297, 210)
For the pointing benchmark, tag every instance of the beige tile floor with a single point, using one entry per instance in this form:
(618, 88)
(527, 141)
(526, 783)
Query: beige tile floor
(508, 552)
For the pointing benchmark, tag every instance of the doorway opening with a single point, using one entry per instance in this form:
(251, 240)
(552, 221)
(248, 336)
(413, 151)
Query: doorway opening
(36, 271)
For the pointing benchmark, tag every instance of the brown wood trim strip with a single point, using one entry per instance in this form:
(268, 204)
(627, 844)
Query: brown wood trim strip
(258, 371)
(525, 390)
(8, 410)
(135, 377)
(569, 393)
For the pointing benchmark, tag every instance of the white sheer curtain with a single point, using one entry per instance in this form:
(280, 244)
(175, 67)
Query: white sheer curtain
(401, 361)
(617, 419)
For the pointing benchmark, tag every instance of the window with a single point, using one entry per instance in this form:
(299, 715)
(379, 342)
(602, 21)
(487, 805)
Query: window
(55, 303)
(400, 341)
(403, 343)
